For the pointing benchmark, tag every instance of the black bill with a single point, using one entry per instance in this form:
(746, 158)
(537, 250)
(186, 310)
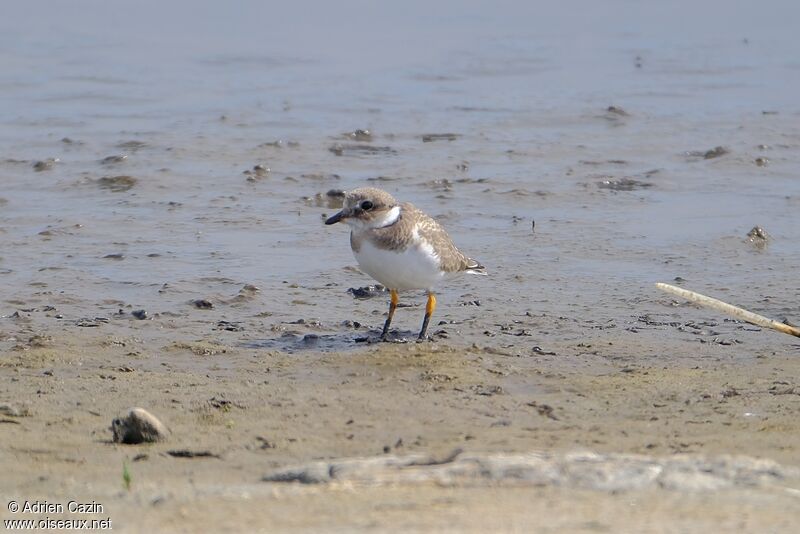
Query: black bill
(334, 219)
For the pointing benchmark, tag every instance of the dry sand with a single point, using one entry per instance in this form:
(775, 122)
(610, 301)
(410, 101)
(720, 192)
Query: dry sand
(249, 412)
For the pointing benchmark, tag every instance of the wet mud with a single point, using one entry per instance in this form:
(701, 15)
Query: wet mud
(163, 247)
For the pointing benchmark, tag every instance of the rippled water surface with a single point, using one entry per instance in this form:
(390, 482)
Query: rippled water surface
(130, 134)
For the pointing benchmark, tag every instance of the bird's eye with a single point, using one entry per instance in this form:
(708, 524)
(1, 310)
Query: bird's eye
(366, 205)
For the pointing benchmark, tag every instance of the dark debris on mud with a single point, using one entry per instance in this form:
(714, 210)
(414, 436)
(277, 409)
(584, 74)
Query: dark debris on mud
(706, 332)
(711, 153)
(114, 159)
(258, 171)
(91, 323)
(361, 134)
(131, 145)
(203, 304)
(332, 199)
(430, 138)
(45, 164)
(622, 184)
(616, 110)
(117, 184)
(230, 326)
(293, 342)
(758, 237)
(279, 143)
(367, 292)
(361, 150)
(186, 453)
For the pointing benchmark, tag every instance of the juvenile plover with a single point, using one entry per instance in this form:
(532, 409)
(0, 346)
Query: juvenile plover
(401, 247)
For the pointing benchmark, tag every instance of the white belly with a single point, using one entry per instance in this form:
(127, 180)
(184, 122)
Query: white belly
(414, 268)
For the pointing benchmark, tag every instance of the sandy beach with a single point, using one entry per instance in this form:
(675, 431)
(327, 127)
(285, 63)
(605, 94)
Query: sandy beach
(247, 413)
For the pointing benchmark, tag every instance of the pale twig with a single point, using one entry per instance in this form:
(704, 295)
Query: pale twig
(735, 311)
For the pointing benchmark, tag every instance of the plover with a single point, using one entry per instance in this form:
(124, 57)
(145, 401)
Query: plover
(401, 247)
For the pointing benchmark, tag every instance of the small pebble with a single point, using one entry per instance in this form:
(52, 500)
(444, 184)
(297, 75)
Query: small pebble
(758, 237)
(715, 152)
(360, 135)
(757, 233)
(203, 304)
(335, 193)
(111, 160)
(139, 426)
(45, 164)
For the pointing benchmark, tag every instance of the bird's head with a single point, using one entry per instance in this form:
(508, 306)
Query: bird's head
(367, 207)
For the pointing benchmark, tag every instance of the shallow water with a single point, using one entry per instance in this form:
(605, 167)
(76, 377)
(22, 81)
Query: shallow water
(195, 94)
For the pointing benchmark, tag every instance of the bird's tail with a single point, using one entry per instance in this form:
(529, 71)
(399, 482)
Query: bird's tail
(474, 267)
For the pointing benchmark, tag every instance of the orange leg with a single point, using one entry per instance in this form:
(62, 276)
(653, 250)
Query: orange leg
(392, 307)
(429, 308)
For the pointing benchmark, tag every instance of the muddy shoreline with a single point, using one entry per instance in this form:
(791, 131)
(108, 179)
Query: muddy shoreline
(162, 198)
